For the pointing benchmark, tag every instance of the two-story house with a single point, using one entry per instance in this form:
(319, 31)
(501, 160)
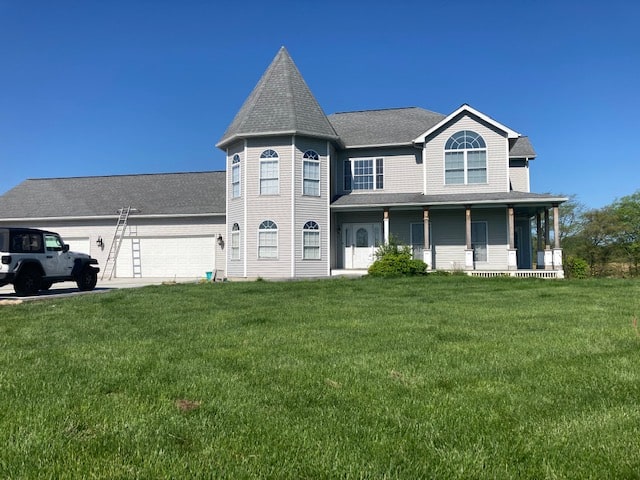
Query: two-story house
(310, 194)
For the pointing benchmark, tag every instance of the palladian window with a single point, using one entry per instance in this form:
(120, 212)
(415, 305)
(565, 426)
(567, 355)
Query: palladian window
(465, 159)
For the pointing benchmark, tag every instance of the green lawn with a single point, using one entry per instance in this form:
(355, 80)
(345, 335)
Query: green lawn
(438, 377)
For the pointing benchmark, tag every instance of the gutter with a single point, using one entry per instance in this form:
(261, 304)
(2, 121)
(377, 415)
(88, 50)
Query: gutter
(114, 216)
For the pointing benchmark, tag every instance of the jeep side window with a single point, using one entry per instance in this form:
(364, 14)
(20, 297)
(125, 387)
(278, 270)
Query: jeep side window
(53, 243)
(25, 242)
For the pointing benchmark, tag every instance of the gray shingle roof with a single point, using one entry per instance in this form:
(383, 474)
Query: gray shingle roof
(383, 127)
(418, 199)
(155, 194)
(521, 148)
(281, 102)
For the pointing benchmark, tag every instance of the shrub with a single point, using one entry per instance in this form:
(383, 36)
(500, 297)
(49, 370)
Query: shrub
(395, 261)
(575, 267)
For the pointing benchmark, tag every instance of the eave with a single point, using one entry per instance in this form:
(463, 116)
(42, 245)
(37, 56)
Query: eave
(467, 108)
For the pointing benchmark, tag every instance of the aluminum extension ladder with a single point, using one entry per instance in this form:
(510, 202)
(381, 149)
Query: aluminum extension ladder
(121, 227)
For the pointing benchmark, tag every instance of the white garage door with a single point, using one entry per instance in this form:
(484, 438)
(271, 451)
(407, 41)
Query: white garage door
(79, 244)
(166, 257)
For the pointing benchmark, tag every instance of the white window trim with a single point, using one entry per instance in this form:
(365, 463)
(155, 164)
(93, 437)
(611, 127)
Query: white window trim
(352, 161)
(465, 152)
(235, 165)
(275, 160)
(273, 230)
(466, 167)
(317, 231)
(318, 180)
(235, 234)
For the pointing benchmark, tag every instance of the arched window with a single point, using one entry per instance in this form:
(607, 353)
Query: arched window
(268, 240)
(235, 176)
(311, 241)
(311, 173)
(465, 159)
(235, 242)
(269, 172)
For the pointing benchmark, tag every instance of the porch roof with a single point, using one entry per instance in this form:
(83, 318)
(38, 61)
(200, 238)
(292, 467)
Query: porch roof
(356, 201)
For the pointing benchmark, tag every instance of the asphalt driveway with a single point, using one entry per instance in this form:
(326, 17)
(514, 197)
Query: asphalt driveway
(67, 289)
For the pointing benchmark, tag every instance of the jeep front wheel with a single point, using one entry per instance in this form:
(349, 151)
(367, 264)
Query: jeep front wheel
(87, 279)
(28, 282)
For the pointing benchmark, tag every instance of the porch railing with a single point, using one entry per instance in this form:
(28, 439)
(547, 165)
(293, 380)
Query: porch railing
(517, 273)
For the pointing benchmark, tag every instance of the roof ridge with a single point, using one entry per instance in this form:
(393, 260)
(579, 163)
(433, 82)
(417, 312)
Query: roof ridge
(122, 175)
(386, 110)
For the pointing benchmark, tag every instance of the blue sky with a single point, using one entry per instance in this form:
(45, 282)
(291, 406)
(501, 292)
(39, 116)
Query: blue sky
(119, 87)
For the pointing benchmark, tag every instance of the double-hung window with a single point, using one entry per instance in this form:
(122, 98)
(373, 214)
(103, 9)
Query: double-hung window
(311, 173)
(235, 242)
(268, 240)
(465, 159)
(364, 174)
(235, 176)
(269, 172)
(311, 241)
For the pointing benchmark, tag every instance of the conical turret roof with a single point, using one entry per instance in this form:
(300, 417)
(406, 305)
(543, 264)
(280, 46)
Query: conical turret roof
(281, 103)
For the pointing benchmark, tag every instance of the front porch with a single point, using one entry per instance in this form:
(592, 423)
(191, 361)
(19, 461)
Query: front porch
(488, 238)
(546, 274)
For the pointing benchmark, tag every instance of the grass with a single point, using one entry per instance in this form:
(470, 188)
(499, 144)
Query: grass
(440, 377)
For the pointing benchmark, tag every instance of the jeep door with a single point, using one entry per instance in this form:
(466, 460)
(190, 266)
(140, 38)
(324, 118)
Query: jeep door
(57, 261)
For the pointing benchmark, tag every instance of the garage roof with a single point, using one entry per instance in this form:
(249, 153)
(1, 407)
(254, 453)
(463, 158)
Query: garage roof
(166, 194)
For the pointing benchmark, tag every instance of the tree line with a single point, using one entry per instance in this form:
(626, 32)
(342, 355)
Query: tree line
(603, 241)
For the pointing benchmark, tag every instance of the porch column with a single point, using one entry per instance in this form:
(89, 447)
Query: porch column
(548, 254)
(386, 226)
(468, 252)
(557, 251)
(512, 257)
(539, 235)
(426, 251)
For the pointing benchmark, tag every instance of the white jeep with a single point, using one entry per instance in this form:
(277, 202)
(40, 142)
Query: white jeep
(33, 260)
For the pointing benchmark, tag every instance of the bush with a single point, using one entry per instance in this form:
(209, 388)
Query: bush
(395, 261)
(575, 267)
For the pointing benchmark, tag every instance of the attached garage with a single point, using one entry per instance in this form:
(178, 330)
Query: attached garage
(167, 257)
(81, 244)
(171, 231)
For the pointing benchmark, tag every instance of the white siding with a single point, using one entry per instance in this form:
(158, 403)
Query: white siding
(311, 208)
(519, 175)
(497, 161)
(269, 207)
(402, 168)
(166, 227)
(235, 212)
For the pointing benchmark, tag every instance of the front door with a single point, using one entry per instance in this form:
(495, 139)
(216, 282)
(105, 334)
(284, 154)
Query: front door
(360, 243)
